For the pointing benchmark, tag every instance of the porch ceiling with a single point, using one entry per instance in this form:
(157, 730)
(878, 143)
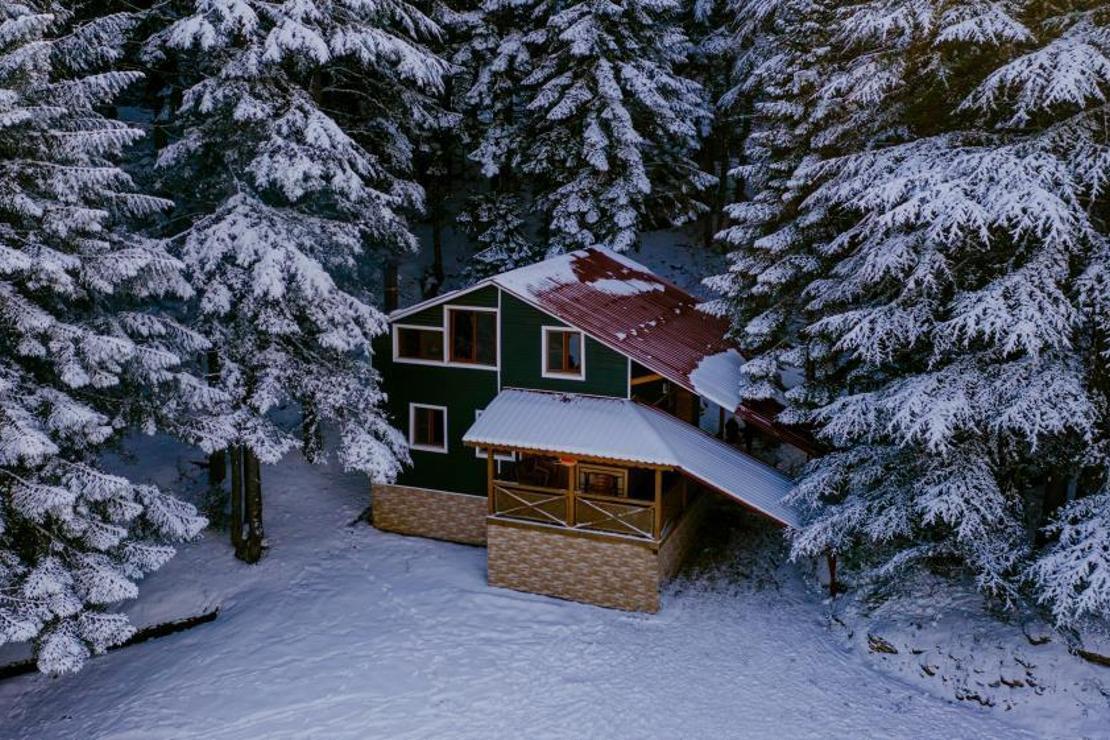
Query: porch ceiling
(620, 429)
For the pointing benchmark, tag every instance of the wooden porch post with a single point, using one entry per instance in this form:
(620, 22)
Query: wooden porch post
(572, 481)
(489, 477)
(658, 526)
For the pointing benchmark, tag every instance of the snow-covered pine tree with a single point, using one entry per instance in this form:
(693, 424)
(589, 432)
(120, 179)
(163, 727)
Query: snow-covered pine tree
(781, 49)
(948, 343)
(494, 223)
(493, 60)
(611, 125)
(285, 204)
(80, 360)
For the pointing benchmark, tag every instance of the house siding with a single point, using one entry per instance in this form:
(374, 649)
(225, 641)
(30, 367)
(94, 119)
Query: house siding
(464, 390)
(521, 342)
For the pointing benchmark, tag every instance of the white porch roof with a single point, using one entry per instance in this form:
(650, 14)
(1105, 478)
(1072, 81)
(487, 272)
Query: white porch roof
(621, 429)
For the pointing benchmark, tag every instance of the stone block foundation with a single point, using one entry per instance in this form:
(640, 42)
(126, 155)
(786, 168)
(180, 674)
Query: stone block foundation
(441, 515)
(678, 543)
(595, 568)
(606, 570)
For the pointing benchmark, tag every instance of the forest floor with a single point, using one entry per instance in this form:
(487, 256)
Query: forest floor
(345, 631)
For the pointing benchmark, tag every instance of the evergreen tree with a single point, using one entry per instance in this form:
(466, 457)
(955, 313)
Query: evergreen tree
(493, 60)
(81, 361)
(782, 54)
(611, 125)
(284, 205)
(935, 279)
(719, 49)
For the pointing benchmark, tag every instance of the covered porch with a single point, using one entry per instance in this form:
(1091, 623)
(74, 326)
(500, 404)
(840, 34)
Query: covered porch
(598, 499)
(588, 494)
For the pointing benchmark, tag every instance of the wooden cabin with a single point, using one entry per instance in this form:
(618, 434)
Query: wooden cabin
(570, 415)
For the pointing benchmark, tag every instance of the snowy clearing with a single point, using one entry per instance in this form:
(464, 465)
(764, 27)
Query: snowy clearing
(344, 631)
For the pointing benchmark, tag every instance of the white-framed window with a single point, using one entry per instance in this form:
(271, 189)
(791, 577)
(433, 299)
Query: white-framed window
(563, 353)
(473, 336)
(470, 336)
(480, 452)
(427, 427)
(422, 345)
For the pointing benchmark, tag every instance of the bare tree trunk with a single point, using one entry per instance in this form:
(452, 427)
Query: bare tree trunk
(312, 436)
(253, 489)
(236, 523)
(438, 274)
(392, 293)
(217, 461)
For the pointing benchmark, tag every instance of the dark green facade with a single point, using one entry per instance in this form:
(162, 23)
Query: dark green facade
(466, 390)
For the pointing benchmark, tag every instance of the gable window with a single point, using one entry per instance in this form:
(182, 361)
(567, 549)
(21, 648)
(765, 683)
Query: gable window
(473, 336)
(418, 343)
(428, 427)
(562, 353)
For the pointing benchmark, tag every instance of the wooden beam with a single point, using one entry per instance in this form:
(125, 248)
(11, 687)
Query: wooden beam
(579, 457)
(489, 478)
(572, 483)
(658, 527)
(646, 379)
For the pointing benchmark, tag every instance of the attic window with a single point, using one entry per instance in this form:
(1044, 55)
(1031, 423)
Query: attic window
(418, 343)
(562, 353)
(473, 336)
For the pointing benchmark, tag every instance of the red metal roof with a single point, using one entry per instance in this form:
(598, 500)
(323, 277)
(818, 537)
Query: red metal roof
(625, 305)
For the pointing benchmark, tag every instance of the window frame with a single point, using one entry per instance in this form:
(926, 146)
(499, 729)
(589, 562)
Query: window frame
(621, 475)
(448, 310)
(412, 428)
(546, 331)
(397, 357)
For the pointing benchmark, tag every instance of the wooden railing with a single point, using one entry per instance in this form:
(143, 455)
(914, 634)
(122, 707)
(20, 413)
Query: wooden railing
(575, 510)
(548, 505)
(611, 514)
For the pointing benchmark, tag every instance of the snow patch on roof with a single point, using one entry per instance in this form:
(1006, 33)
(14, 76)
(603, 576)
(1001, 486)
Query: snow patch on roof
(541, 276)
(624, 287)
(718, 378)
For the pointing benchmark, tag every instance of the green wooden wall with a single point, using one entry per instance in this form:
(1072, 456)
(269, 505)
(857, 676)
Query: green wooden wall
(521, 337)
(465, 390)
(462, 391)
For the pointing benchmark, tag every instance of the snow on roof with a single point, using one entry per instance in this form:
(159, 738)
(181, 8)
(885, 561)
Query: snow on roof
(621, 429)
(717, 377)
(625, 306)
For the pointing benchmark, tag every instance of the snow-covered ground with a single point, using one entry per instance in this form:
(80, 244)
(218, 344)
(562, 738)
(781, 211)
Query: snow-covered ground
(344, 631)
